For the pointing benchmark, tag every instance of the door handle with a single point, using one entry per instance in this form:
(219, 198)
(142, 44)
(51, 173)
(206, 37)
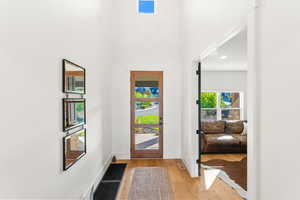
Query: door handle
(161, 121)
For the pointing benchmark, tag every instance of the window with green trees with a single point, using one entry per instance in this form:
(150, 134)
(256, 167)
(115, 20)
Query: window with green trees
(221, 106)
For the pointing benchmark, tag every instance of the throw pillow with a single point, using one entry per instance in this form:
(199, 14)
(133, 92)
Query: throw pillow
(245, 131)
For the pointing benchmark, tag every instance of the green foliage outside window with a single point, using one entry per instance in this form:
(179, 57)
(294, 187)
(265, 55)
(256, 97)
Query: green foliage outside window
(143, 104)
(222, 102)
(146, 94)
(147, 119)
(81, 134)
(208, 100)
(79, 107)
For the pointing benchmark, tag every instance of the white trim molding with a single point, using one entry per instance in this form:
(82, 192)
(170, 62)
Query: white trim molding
(253, 97)
(190, 166)
(122, 156)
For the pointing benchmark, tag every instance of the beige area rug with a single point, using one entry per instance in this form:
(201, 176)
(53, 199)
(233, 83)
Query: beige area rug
(150, 183)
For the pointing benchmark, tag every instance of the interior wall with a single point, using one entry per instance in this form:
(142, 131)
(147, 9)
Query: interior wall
(226, 81)
(206, 22)
(146, 43)
(278, 71)
(35, 36)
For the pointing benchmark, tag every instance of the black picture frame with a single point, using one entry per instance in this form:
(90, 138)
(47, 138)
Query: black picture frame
(64, 62)
(65, 140)
(66, 113)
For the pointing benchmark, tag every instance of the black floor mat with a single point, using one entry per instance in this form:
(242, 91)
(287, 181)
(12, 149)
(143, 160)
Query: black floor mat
(110, 183)
(107, 191)
(114, 172)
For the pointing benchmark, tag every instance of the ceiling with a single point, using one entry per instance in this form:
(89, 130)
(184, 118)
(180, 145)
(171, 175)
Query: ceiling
(232, 55)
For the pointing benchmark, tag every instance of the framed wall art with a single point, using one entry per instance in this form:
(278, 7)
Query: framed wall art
(74, 148)
(74, 113)
(73, 78)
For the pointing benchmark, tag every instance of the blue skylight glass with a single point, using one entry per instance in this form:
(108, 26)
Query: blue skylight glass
(146, 6)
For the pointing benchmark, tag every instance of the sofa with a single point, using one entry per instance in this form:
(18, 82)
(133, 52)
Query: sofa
(223, 137)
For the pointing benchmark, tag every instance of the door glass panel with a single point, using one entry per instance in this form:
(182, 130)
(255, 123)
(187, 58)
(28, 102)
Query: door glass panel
(147, 86)
(146, 92)
(146, 138)
(146, 112)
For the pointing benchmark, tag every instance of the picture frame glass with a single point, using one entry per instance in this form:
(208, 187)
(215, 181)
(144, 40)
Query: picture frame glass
(74, 148)
(74, 113)
(74, 78)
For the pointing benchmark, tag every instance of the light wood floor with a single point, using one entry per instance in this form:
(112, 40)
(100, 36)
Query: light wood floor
(184, 187)
(228, 157)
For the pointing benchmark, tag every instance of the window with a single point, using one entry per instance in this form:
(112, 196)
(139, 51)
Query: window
(221, 106)
(146, 6)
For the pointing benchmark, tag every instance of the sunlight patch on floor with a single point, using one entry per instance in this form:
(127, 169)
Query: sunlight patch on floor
(210, 177)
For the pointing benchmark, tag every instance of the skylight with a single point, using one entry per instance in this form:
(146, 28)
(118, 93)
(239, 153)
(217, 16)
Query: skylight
(146, 6)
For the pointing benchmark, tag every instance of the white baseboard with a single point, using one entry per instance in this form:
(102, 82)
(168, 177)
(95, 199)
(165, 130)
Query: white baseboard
(88, 194)
(186, 164)
(122, 156)
(190, 166)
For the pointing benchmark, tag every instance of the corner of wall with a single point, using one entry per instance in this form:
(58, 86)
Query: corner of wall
(190, 166)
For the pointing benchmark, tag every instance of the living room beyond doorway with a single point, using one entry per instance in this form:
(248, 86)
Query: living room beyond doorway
(223, 118)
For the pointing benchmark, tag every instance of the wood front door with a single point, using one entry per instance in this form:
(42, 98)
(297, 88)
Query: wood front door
(146, 114)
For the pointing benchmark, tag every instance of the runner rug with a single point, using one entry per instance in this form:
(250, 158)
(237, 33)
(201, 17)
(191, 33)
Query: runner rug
(150, 183)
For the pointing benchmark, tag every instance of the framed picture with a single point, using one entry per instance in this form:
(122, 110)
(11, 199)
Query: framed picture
(74, 148)
(74, 113)
(73, 78)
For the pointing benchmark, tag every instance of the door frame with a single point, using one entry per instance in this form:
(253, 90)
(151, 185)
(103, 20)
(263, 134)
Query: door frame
(253, 78)
(146, 153)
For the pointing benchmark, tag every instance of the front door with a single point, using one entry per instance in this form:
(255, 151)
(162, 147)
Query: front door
(146, 114)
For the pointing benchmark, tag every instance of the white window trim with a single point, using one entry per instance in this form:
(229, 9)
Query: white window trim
(219, 109)
(155, 8)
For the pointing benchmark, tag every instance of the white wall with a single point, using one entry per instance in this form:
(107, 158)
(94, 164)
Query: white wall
(278, 48)
(146, 42)
(206, 22)
(226, 81)
(35, 36)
